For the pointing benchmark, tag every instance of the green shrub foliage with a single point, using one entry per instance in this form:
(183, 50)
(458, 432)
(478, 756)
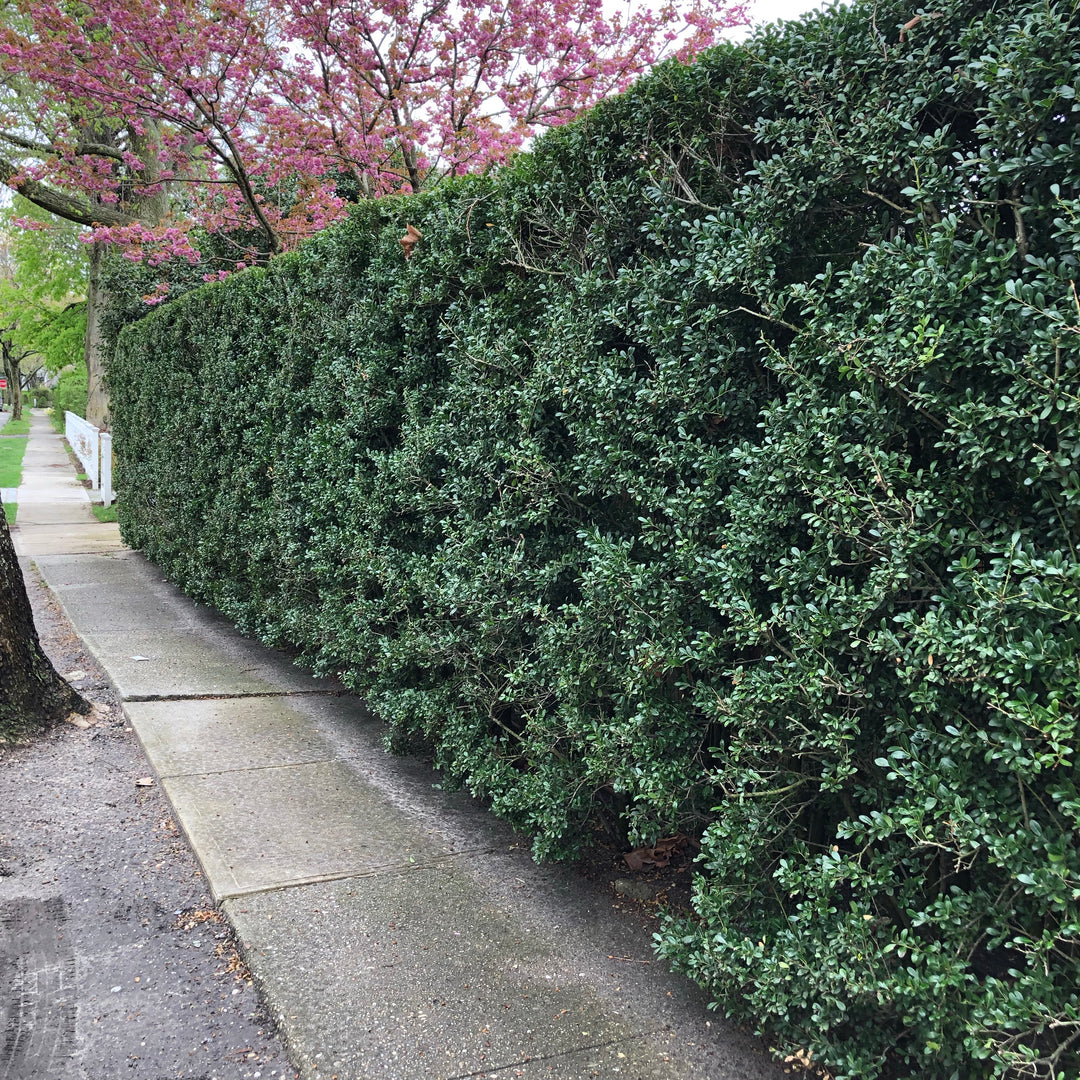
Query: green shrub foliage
(712, 469)
(69, 394)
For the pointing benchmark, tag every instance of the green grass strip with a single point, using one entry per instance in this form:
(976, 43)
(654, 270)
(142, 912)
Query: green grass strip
(16, 427)
(11, 455)
(104, 514)
(10, 510)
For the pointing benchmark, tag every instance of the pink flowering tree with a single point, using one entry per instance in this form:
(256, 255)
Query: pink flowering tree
(400, 91)
(142, 122)
(133, 104)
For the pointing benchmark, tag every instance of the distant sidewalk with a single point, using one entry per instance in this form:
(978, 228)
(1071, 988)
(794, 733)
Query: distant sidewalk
(54, 508)
(398, 932)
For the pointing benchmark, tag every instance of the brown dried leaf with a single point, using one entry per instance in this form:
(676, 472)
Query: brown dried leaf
(188, 920)
(912, 23)
(659, 855)
(411, 238)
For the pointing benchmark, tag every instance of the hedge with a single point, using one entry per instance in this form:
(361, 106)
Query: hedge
(711, 469)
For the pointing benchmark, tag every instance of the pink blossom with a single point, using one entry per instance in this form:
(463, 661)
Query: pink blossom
(222, 104)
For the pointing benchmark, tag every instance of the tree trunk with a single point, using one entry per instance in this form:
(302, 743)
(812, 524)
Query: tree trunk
(150, 209)
(97, 401)
(16, 389)
(32, 695)
(14, 379)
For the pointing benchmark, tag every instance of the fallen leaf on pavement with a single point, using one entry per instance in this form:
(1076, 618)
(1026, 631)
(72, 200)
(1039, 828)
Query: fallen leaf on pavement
(78, 721)
(188, 920)
(145, 781)
(75, 676)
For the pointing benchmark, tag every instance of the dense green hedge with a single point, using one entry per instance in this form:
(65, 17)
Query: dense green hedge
(713, 469)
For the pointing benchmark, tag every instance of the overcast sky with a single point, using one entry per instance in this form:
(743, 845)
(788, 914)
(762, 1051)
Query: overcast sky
(765, 11)
(771, 10)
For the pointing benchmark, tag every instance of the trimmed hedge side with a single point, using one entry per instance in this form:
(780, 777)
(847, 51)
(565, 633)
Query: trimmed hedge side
(712, 469)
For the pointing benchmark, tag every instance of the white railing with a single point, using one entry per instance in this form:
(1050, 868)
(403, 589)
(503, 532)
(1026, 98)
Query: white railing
(93, 448)
(105, 443)
(85, 440)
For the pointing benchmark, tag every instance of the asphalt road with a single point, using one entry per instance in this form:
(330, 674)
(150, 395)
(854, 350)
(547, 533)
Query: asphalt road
(114, 961)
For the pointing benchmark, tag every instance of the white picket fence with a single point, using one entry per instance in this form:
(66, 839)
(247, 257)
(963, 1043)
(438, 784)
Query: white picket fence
(93, 447)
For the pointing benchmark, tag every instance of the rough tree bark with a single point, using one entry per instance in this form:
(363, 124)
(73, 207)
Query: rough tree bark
(32, 695)
(97, 400)
(12, 369)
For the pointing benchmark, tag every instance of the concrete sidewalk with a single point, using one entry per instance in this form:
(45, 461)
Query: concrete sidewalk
(54, 508)
(396, 930)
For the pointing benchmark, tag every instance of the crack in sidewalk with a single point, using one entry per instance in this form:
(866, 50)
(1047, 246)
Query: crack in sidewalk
(549, 1057)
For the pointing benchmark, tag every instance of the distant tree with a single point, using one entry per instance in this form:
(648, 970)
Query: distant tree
(43, 278)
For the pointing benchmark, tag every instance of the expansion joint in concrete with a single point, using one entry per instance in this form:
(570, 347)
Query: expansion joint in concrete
(252, 770)
(275, 888)
(442, 862)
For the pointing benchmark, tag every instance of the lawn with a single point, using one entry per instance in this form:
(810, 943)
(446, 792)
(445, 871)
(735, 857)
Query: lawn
(11, 455)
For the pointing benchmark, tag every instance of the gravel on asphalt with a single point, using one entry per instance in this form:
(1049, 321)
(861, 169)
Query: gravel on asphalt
(114, 960)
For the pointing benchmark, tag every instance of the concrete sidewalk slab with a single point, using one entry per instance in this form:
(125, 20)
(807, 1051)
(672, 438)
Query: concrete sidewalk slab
(125, 609)
(133, 607)
(90, 537)
(267, 828)
(215, 735)
(154, 663)
(158, 662)
(63, 493)
(72, 512)
(470, 992)
(83, 569)
(54, 508)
